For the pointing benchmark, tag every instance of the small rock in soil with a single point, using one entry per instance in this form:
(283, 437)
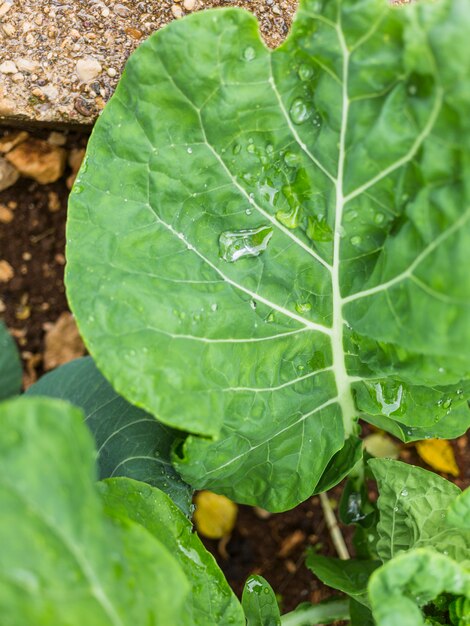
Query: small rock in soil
(6, 214)
(8, 174)
(11, 140)
(6, 272)
(88, 69)
(75, 159)
(62, 342)
(37, 159)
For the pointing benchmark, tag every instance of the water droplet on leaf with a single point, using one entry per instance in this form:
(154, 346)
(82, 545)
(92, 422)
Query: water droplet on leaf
(300, 111)
(249, 54)
(249, 242)
(305, 72)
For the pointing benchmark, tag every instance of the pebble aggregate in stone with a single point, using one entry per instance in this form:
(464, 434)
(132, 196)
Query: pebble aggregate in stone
(61, 59)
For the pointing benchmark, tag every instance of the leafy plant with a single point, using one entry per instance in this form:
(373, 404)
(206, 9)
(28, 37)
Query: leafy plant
(263, 248)
(279, 245)
(423, 541)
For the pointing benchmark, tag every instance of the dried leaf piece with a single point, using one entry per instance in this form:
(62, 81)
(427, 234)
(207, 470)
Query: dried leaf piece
(381, 446)
(215, 515)
(6, 214)
(62, 342)
(438, 454)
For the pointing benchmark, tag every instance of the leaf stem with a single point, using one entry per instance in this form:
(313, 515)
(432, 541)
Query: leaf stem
(324, 613)
(332, 524)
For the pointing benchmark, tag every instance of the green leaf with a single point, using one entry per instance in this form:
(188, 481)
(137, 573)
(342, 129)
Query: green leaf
(64, 560)
(211, 601)
(281, 240)
(341, 464)
(10, 365)
(130, 442)
(413, 506)
(459, 511)
(259, 603)
(326, 612)
(349, 576)
(399, 588)
(360, 615)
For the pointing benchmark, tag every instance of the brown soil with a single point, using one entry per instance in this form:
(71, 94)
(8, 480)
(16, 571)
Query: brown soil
(33, 243)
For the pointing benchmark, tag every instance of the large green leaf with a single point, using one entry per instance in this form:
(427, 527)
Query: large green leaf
(130, 442)
(413, 505)
(211, 601)
(64, 560)
(459, 511)
(399, 588)
(263, 246)
(10, 365)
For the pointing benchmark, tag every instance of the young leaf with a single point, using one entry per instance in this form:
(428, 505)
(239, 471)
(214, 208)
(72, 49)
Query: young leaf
(459, 511)
(130, 442)
(10, 365)
(326, 612)
(259, 603)
(281, 239)
(211, 600)
(349, 576)
(411, 580)
(64, 560)
(413, 506)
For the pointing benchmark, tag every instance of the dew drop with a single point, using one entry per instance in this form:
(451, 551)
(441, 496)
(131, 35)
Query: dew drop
(249, 53)
(249, 242)
(318, 229)
(292, 159)
(303, 307)
(236, 148)
(379, 218)
(248, 211)
(253, 304)
(251, 148)
(350, 216)
(190, 150)
(356, 241)
(214, 307)
(299, 111)
(305, 72)
(404, 492)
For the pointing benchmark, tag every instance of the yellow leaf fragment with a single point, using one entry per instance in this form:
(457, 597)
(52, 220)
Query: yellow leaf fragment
(215, 515)
(438, 454)
(381, 446)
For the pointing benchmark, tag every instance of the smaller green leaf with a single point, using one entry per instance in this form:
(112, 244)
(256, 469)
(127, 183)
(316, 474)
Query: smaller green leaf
(130, 442)
(359, 614)
(341, 464)
(459, 511)
(10, 365)
(326, 612)
(413, 505)
(411, 580)
(259, 603)
(211, 600)
(349, 576)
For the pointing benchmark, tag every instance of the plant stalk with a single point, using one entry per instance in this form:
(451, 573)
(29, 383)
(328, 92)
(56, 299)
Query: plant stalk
(332, 524)
(324, 613)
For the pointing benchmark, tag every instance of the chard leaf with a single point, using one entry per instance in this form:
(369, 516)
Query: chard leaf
(399, 588)
(211, 601)
(130, 442)
(350, 577)
(459, 511)
(259, 603)
(64, 560)
(263, 246)
(413, 505)
(10, 365)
